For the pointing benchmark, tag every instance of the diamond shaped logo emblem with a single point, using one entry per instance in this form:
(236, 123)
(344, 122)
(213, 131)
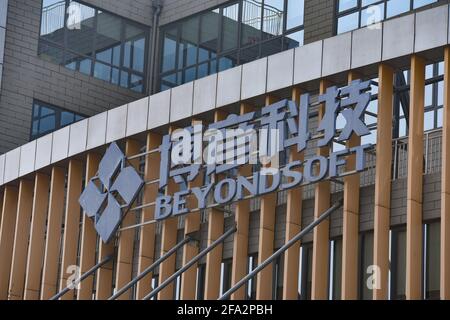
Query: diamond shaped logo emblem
(109, 195)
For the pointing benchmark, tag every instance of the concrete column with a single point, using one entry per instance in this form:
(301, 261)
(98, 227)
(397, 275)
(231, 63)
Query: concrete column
(71, 225)
(350, 237)
(415, 181)
(383, 178)
(37, 237)
(239, 268)
(125, 246)
(148, 232)
(88, 236)
(190, 250)
(321, 238)
(53, 239)
(445, 204)
(264, 285)
(293, 226)
(215, 230)
(21, 238)
(7, 228)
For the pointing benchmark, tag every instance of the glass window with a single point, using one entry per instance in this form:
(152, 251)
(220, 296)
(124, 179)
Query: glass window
(306, 271)
(52, 20)
(336, 268)
(229, 35)
(80, 28)
(295, 13)
(396, 7)
(47, 118)
(230, 27)
(354, 14)
(432, 260)
(366, 260)
(273, 18)
(93, 42)
(348, 23)
(398, 264)
(345, 5)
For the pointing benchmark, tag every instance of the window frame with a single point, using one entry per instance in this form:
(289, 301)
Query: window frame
(66, 52)
(179, 72)
(57, 113)
(359, 8)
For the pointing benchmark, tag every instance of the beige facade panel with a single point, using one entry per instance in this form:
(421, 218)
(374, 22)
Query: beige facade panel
(383, 179)
(53, 239)
(36, 251)
(415, 181)
(21, 240)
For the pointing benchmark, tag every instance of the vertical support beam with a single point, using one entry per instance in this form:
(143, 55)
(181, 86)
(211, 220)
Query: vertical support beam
(103, 286)
(88, 236)
(21, 238)
(215, 230)
(415, 180)
(383, 179)
(264, 286)
(445, 206)
(321, 245)
(37, 237)
(126, 240)
(8, 222)
(351, 222)
(190, 250)
(148, 232)
(168, 241)
(71, 224)
(240, 244)
(53, 240)
(293, 226)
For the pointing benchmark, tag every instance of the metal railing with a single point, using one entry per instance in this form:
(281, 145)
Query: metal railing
(148, 270)
(53, 17)
(432, 155)
(193, 261)
(272, 18)
(83, 277)
(281, 251)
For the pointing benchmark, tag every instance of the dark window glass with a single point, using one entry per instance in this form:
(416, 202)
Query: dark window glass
(306, 272)
(432, 260)
(47, 118)
(209, 33)
(251, 22)
(80, 28)
(336, 246)
(93, 42)
(366, 260)
(230, 27)
(398, 264)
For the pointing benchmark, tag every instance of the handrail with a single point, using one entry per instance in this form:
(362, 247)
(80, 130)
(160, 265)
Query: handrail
(191, 263)
(280, 251)
(133, 282)
(83, 277)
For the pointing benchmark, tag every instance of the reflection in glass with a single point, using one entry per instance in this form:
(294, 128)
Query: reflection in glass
(273, 18)
(230, 27)
(295, 13)
(251, 22)
(92, 41)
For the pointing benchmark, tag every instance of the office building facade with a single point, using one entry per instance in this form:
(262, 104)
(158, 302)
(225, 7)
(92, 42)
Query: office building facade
(90, 90)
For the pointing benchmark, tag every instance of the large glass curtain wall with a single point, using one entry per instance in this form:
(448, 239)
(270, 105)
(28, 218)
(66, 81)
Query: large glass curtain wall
(94, 42)
(226, 36)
